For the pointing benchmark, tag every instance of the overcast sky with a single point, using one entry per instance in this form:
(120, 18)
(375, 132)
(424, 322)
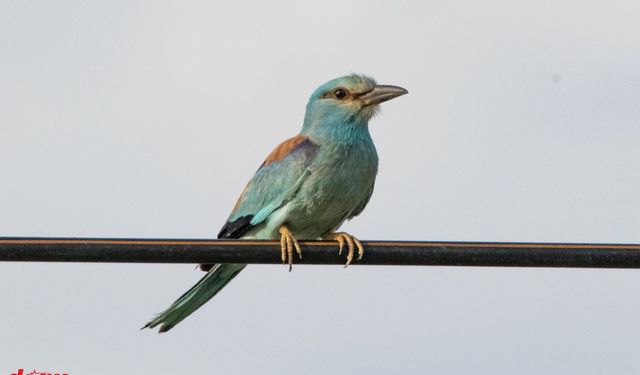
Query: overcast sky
(146, 119)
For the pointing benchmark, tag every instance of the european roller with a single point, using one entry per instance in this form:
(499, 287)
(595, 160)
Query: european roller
(306, 188)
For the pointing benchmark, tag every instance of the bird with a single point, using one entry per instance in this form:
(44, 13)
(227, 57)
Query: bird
(306, 187)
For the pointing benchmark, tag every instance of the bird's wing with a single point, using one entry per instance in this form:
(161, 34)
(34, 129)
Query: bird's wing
(275, 183)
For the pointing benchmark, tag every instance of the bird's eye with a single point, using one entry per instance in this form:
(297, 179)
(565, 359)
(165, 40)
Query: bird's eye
(340, 93)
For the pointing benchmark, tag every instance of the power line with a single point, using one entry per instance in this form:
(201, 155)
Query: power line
(491, 254)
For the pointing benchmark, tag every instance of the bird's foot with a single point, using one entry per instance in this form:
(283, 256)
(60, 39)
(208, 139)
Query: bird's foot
(287, 244)
(352, 244)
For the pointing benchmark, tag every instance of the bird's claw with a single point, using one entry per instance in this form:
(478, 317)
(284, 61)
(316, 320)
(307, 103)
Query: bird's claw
(287, 244)
(352, 244)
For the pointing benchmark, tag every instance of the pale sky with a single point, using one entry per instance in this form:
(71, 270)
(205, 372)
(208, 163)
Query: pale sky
(140, 119)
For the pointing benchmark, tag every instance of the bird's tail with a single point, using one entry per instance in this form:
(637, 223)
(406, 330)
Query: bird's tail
(217, 277)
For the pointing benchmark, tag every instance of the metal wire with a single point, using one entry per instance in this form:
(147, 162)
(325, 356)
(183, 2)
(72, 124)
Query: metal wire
(498, 254)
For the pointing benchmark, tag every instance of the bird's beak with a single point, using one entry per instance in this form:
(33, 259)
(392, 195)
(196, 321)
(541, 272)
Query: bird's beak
(382, 93)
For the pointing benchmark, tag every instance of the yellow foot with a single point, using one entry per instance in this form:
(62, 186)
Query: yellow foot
(287, 244)
(352, 243)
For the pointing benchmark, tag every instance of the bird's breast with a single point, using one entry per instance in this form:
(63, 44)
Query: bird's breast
(341, 180)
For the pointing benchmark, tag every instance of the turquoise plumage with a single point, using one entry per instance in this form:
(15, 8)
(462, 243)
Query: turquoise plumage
(306, 188)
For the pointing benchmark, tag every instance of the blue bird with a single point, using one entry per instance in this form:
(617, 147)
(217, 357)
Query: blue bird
(306, 188)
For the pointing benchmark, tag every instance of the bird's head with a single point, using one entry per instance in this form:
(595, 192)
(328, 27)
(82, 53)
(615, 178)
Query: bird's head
(347, 101)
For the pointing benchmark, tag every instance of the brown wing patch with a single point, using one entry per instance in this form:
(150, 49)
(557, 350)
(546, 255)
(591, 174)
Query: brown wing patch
(284, 149)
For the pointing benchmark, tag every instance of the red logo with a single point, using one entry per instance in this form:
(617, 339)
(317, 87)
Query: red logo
(34, 372)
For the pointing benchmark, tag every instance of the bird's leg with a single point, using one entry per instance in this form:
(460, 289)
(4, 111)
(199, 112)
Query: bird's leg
(352, 244)
(287, 244)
